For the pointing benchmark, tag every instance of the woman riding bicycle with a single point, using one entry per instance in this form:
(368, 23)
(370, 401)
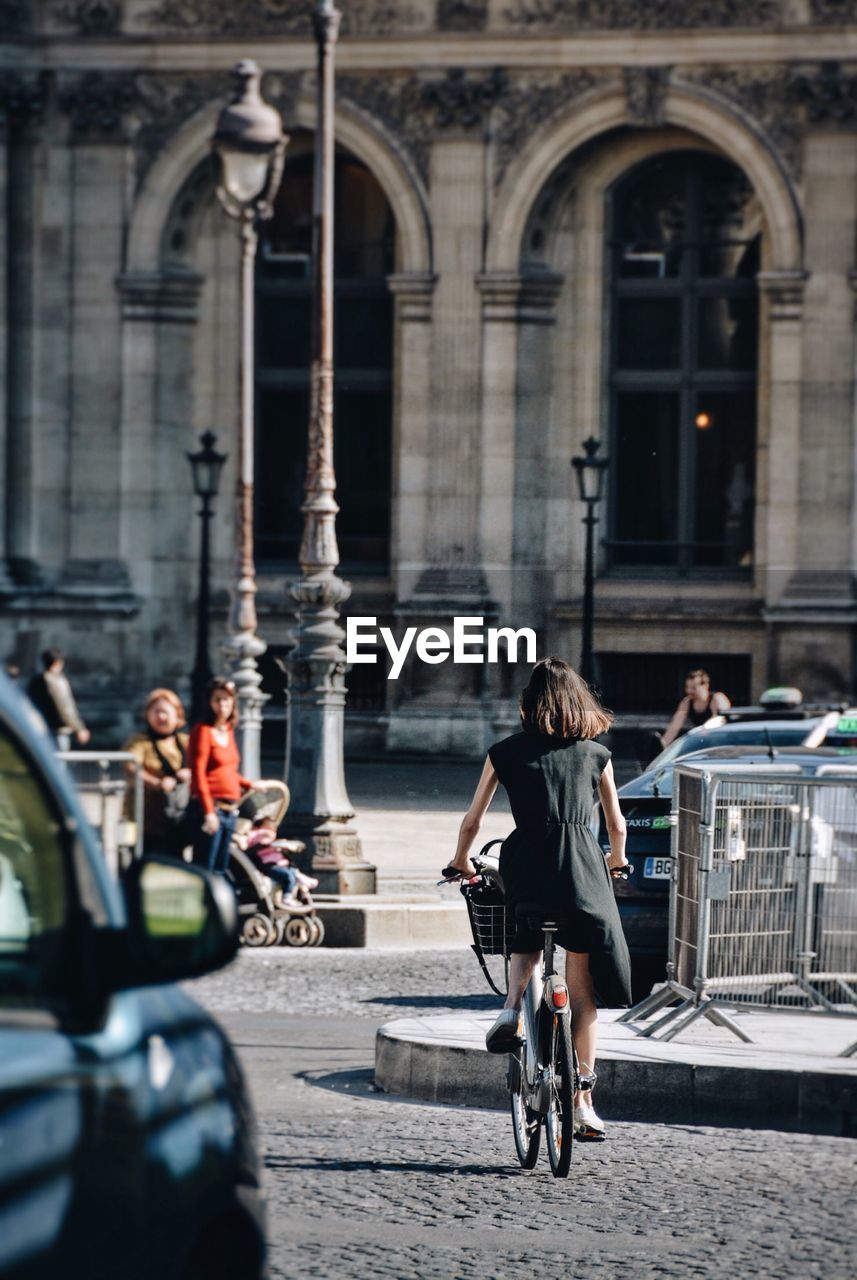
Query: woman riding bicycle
(554, 772)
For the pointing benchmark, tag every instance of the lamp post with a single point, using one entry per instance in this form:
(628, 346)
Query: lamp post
(206, 465)
(591, 471)
(320, 808)
(249, 146)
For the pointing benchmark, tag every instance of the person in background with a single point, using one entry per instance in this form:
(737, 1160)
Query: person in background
(217, 785)
(698, 705)
(50, 693)
(162, 751)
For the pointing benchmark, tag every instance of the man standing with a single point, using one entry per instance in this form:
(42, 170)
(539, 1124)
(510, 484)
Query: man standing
(50, 693)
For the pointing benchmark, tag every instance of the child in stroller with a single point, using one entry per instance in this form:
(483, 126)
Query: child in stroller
(274, 899)
(270, 856)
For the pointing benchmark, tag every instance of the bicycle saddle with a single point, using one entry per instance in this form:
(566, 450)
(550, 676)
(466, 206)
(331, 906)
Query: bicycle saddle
(537, 916)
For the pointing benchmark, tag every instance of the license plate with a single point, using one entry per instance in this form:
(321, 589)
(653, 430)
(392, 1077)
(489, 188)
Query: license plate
(657, 868)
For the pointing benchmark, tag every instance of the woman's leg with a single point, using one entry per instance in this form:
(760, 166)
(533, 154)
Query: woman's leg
(584, 1017)
(223, 840)
(521, 966)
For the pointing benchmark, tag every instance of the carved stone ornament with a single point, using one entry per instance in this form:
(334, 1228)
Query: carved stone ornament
(462, 101)
(644, 15)
(462, 15)
(833, 12)
(530, 100)
(827, 92)
(646, 91)
(763, 95)
(97, 103)
(164, 103)
(91, 17)
(23, 97)
(14, 16)
(277, 17)
(395, 102)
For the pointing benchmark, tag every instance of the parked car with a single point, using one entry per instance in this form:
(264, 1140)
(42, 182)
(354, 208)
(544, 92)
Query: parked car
(127, 1145)
(643, 898)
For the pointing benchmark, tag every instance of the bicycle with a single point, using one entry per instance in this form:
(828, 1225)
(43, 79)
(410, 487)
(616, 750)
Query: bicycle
(543, 1072)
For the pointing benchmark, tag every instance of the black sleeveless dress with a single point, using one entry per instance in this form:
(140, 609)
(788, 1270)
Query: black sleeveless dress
(552, 857)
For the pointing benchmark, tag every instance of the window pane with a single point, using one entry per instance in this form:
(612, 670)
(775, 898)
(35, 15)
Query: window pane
(650, 221)
(728, 333)
(738, 261)
(280, 467)
(649, 333)
(32, 882)
(729, 209)
(283, 326)
(363, 330)
(646, 476)
(725, 467)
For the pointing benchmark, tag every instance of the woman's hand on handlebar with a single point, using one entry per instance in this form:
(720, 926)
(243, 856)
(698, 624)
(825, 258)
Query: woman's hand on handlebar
(619, 870)
(460, 867)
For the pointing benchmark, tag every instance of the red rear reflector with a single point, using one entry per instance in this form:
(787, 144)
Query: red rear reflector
(560, 997)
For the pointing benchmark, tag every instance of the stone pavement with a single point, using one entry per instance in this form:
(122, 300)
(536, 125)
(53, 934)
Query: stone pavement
(363, 1185)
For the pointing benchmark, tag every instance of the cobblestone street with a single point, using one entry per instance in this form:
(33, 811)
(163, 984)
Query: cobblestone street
(361, 1185)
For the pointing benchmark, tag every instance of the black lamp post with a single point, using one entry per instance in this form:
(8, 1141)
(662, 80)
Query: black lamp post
(249, 146)
(206, 465)
(591, 471)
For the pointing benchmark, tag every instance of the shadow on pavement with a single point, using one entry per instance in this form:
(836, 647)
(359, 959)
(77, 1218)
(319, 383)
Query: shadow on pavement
(476, 1003)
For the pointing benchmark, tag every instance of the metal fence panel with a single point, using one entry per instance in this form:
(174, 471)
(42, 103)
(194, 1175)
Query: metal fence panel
(765, 886)
(110, 787)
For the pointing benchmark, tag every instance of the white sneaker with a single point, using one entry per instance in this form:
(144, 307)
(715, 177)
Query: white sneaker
(587, 1122)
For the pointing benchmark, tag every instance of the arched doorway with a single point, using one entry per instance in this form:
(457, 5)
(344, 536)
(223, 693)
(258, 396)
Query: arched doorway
(684, 237)
(364, 236)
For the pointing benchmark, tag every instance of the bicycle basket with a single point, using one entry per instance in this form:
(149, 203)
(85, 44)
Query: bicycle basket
(492, 933)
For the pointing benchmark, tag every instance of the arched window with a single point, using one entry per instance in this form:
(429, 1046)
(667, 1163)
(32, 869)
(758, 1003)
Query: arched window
(364, 237)
(685, 232)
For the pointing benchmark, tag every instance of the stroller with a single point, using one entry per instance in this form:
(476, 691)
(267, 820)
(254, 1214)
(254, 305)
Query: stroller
(265, 921)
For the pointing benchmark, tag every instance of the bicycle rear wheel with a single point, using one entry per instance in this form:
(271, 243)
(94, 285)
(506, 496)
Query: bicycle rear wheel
(526, 1123)
(560, 1116)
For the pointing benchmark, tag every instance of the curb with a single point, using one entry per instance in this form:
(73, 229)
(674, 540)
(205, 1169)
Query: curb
(645, 1091)
(394, 923)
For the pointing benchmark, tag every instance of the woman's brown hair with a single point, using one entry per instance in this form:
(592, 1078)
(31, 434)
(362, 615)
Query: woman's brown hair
(228, 686)
(559, 703)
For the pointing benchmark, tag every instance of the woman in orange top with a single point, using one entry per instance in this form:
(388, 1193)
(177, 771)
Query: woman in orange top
(216, 784)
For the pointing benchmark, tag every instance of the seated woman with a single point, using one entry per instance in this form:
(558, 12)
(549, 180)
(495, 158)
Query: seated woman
(161, 749)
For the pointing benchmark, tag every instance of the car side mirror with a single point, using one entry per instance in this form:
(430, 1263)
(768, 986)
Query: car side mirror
(183, 921)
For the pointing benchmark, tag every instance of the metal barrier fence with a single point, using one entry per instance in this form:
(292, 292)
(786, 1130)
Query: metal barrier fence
(110, 787)
(763, 901)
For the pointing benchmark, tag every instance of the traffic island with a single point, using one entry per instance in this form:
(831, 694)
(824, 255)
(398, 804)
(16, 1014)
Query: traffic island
(791, 1078)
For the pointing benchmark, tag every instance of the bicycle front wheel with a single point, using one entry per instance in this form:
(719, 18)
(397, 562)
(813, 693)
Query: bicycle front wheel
(526, 1123)
(560, 1117)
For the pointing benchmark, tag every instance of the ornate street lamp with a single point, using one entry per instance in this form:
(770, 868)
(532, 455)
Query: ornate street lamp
(591, 472)
(249, 146)
(206, 465)
(320, 808)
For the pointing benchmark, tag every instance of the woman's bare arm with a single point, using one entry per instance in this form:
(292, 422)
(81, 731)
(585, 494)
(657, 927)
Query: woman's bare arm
(675, 725)
(614, 819)
(472, 820)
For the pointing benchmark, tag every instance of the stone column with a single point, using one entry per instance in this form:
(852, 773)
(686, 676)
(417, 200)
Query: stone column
(413, 454)
(816, 612)
(509, 302)
(452, 535)
(22, 100)
(93, 463)
(5, 581)
(157, 534)
(779, 443)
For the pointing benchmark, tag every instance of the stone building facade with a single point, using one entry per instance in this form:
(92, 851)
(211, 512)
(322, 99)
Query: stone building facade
(633, 219)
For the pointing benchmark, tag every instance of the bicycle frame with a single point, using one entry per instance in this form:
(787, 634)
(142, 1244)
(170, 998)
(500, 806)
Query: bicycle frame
(538, 1014)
